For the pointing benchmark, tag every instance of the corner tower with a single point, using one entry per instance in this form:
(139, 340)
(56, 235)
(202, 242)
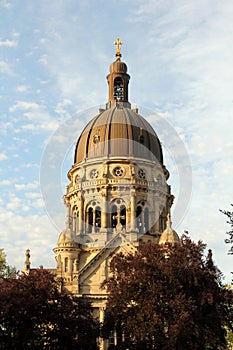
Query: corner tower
(118, 194)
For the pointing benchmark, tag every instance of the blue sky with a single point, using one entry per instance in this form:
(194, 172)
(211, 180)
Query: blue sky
(54, 58)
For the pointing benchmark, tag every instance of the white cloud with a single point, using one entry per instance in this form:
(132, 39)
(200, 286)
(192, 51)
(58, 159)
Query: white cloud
(5, 183)
(14, 203)
(30, 165)
(61, 108)
(49, 126)
(38, 203)
(43, 60)
(20, 140)
(5, 68)
(8, 43)
(40, 119)
(20, 232)
(23, 105)
(5, 4)
(3, 156)
(22, 88)
(32, 195)
(20, 187)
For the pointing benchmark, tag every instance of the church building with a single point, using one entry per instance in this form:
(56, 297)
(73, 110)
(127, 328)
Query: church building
(118, 196)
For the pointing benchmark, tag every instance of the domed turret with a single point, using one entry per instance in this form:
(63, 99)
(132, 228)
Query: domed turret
(118, 67)
(118, 81)
(118, 131)
(169, 235)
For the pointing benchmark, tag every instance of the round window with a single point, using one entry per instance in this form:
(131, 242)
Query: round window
(118, 171)
(142, 173)
(94, 174)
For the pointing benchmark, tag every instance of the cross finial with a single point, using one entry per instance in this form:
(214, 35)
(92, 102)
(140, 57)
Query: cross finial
(118, 44)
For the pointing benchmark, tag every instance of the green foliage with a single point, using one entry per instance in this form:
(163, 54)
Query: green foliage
(5, 269)
(167, 298)
(229, 240)
(35, 315)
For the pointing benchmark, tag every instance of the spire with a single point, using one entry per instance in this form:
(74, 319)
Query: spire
(169, 224)
(27, 262)
(169, 235)
(118, 44)
(210, 263)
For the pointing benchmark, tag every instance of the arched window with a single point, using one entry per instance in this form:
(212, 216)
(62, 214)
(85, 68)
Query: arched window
(66, 264)
(162, 225)
(90, 219)
(123, 215)
(114, 216)
(146, 219)
(118, 89)
(93, 217)
(118, 213)
(139, 219)
(142, 216)
(75, 219)
(98, 218)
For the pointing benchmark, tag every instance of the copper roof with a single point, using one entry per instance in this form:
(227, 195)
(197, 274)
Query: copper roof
(118, 132)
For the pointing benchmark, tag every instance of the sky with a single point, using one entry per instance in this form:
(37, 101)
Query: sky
(54, 58)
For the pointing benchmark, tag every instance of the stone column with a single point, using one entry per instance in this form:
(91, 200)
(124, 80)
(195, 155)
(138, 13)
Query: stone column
(81, 216)
(74, 217)
(94, 220)
(68, 215)
(133, 210)
(101, 319)
(104, 209)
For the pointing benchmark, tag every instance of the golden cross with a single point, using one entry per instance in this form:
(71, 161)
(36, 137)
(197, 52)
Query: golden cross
(118, 44)
(118, 216)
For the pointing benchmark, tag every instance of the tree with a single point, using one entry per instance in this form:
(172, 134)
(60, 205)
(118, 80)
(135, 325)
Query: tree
(229, 240)
(35, 315)
(5, 269)
(167, 297)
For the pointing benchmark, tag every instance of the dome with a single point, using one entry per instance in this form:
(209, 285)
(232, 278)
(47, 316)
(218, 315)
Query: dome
(118, 67)
(65, 237)
(118, 132)
(169, 235)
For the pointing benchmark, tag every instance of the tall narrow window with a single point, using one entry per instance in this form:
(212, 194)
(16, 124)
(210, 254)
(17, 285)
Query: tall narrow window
(90, 219)
(146, 219)
(118, 89)
(75, 221)
(98, 218)
(162, 221)
(123, 215)
(114, 216)
(139, 219)
(66, 265)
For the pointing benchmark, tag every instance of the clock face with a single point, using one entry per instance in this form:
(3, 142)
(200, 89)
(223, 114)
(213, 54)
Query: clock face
(118, 90)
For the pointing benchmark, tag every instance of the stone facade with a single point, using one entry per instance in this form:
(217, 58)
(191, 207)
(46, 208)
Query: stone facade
(118, 196)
